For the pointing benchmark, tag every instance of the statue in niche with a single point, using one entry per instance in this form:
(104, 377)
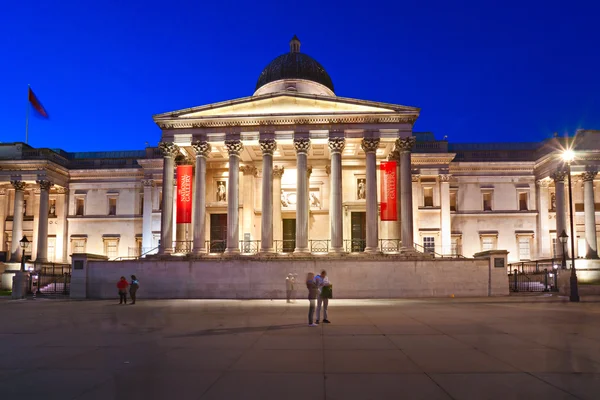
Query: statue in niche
(284, 199)
(553, 201)
(314, 201)
(221, 191)
(361, 191)
(24, 208)
(52, 212)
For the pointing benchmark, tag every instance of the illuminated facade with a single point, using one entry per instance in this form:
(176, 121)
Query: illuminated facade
(294, 169)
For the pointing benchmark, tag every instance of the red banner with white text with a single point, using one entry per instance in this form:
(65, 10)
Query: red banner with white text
(389, 211)
(184, 194)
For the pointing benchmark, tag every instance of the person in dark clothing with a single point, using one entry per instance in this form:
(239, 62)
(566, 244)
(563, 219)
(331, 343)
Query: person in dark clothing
(122, 286)
(133, 287)
(313, 291)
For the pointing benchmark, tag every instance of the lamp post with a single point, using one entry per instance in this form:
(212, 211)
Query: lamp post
(24, 243)
(563, 240)
(569, 156)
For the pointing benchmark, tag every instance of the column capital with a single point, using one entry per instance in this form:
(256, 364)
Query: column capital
(394, 155)
(268, 146)
(44, 184)
(148, 182)
(445, 177)
(544, 183)
(589, 176)
(168, 149)
(202, 148)
(336, 144)
(370, 145)
(249, 170)
(559, 176)
(234, 147)
(302, 145)
(404, 145)
(18, 185)
(62, 190)
(415, 177)
(278, 171)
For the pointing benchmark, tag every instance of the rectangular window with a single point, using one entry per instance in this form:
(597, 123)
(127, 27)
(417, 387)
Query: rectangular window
(428, 196)
(429, 244)
(555, 249)
(78, 246)
(523, 202)
(487, 202)
(112, 206)
(141, 204)
(456, 247)
(453, 202)
(488, 243)
(524, 248)
(79, 206)
(111, 248)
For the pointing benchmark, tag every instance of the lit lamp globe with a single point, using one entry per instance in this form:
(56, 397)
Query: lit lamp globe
(568, 155)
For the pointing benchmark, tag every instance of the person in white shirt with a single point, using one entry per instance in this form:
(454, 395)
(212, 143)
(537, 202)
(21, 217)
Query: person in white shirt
(322, 281)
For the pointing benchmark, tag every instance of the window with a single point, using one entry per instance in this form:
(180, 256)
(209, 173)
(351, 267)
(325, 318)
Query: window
(79, 206)
(487, 202)
(456, 249)
(453, 201)
(428, 196)
(78, 245)
(523, 201)
(429, 244)
(524, 248)
(111, 248)
(488, 243)
(112, 206)
(141, 204)
(51, 248)
(555, 249)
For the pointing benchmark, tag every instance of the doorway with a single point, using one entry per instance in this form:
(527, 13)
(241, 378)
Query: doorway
(358, 221)
(218, 233)
(289, 235)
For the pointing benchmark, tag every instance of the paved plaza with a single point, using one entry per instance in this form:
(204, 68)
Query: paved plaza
(534, 347)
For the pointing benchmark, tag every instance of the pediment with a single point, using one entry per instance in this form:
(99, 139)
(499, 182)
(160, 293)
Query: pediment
(286, 104)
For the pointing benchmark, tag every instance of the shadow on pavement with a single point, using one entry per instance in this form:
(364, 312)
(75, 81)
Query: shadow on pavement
(234, 331)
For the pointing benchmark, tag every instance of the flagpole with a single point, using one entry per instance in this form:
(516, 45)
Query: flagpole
(27, 117)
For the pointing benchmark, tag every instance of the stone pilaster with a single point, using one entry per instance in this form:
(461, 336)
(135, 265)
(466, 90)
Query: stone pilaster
(404, 146)
(302, 146)
(17, 228)
(169, 151)
(268, 147)
(559, 192)
(202, 149)
(234, 148)
(445, 223)
(370, 146)
(42, 233)
(543, 205)
(277, 220)
(590, 213)
(336, 146)
(147, 215)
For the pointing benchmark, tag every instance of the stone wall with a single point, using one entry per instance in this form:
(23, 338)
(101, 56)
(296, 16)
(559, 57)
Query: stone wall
(245, 278)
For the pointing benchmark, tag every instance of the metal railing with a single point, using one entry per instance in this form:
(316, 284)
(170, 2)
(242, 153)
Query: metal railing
(432, 251)
(182, 246)
(319, 245)
(284, 246)
(50, 279)
(390, 245)
(535, 266)
(249, 246)
(216, 246)
(355, 245)
(542, 281)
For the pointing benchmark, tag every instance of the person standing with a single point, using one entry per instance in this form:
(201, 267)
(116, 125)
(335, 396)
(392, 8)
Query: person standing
(313, 290)
(122, 286)
(133, 287)
(323, 301)
(290, 283)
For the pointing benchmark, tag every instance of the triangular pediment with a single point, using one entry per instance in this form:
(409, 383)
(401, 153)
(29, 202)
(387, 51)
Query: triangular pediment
(286, 104)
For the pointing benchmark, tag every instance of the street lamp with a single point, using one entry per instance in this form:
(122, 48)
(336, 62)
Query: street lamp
(568, 156)
(24, 243)
(563, 239)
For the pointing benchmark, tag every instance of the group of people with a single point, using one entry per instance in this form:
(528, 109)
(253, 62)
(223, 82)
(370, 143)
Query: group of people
(133, 287)
(320, 290)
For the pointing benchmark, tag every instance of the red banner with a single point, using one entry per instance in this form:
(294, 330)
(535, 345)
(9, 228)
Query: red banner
(184, 194)
(389, 210)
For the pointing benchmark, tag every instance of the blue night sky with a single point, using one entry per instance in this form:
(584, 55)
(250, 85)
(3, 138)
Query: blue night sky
(479, 71)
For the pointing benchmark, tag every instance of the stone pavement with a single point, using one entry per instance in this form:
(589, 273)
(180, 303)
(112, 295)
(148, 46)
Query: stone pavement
(534, 347)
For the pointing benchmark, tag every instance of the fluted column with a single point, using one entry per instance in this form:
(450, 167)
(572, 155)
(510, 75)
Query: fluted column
(42, 233)
(302, 146)
(445, 223)
(336, 146)
(17, 228)
(404, 146)
(543, 234)
(234, 148)
(268, 147)
(370, 146)
(169, 150)
(147, 215)
(559, 192)
(202, 149)
(590, 213)
(276, 195)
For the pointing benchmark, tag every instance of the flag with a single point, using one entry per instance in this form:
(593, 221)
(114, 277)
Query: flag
(36, 104)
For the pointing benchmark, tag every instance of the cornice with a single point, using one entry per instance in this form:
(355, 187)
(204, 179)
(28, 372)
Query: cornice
(431, 158)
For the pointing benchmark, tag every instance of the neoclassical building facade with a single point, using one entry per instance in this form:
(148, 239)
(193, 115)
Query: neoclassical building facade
(296, 169)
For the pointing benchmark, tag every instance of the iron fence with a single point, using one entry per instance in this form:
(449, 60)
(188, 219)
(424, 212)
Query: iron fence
(284, 246)
(249, 246)
(50, 279)
(543, 281)
(182, 246)
(390, 245)
(216, 246)
(319, 245)
(355, 245)
(535, 266)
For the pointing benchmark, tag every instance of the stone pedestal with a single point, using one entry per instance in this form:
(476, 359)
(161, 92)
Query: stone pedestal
(19, 285)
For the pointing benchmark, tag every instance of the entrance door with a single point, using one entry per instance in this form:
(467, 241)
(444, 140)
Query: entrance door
(359, 231)
(289, 235)
(218, 233)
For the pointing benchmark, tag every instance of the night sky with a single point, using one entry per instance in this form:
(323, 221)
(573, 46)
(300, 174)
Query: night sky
(480, 71)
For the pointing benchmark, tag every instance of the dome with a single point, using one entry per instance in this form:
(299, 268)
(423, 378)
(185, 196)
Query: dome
(294, 65)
